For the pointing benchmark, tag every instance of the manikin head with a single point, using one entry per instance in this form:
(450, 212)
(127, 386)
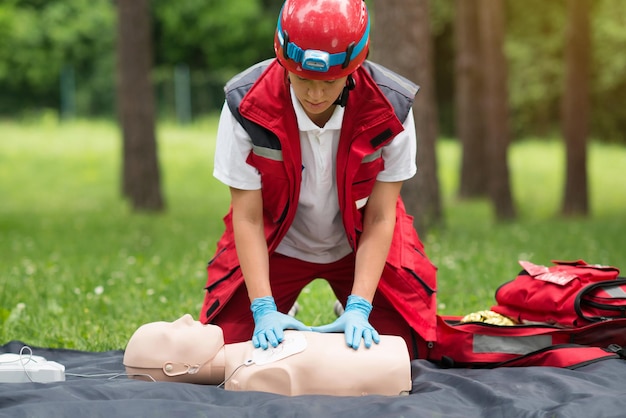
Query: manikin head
(183, 351)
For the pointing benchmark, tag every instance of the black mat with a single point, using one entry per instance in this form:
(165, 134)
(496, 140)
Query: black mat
(592, 391)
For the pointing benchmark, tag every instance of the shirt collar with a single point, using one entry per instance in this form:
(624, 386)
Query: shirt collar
(305, 124)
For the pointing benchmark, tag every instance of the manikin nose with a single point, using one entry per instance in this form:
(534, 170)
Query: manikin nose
(186, 319)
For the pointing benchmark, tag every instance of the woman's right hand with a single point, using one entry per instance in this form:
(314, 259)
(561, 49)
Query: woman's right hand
(269, 324)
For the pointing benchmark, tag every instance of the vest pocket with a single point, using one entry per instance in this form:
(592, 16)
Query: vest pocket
(365, 179)
(274, 184)
(407, 254)
(212, 284)
(222, 266)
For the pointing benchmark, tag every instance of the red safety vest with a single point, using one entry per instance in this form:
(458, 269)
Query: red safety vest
(409, 278)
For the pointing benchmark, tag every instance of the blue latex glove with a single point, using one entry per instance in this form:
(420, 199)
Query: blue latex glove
(269, 323)
(354, 323)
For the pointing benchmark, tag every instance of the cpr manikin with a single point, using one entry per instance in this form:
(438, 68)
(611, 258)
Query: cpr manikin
(304, 363)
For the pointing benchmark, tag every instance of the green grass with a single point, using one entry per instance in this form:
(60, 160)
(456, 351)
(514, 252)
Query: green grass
(79, 270)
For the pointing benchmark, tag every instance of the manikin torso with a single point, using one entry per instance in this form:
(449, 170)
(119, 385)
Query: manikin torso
(325, 366)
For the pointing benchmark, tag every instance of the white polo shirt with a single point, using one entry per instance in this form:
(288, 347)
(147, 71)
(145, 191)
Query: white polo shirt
(317, 234)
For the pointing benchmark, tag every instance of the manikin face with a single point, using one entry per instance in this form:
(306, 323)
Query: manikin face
(184, 340)
(317, 96)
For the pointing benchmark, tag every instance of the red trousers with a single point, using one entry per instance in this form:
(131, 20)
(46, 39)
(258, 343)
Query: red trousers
(288, 276)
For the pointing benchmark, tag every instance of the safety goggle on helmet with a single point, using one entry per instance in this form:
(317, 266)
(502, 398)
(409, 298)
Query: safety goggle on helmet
(322, 39)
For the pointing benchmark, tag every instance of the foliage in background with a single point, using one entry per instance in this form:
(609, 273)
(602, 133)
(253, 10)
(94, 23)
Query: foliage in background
(41, 40)
(38, 39)
(212, 39)
(213, 35)
(609, 71)
(79, 270)
(535, 35)
(535, 49)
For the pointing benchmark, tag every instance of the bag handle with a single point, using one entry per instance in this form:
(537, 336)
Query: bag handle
(608, 283)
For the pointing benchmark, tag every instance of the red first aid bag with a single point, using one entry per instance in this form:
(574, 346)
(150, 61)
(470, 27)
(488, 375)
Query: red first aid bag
(568, 294)
(484, 345)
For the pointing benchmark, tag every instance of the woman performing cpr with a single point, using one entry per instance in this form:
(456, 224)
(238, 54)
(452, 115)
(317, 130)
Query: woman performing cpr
(314, 146)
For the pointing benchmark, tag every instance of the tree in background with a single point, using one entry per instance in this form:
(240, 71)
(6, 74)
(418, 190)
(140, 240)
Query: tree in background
(40, 40)
(469, 115)
(136, 110)
(207, 42)
(576, 106)
(402, 41)
(491, 18)
(608, 72)
(534, 51)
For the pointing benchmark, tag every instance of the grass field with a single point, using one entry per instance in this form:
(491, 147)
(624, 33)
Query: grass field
(79, 270)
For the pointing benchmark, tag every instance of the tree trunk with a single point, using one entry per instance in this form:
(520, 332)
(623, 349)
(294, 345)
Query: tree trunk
(576, 108)
(469, 115)
(402, 41)
(136, 108)
(491, 18)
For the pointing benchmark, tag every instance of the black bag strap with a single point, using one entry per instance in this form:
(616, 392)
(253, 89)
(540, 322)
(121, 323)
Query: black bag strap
(607, 283)
(593, 355)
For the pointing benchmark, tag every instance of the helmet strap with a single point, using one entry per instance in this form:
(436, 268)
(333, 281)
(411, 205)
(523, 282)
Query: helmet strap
(342, 100)
(349, 50)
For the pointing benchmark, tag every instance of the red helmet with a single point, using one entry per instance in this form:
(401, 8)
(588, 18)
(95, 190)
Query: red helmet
(322, 39)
